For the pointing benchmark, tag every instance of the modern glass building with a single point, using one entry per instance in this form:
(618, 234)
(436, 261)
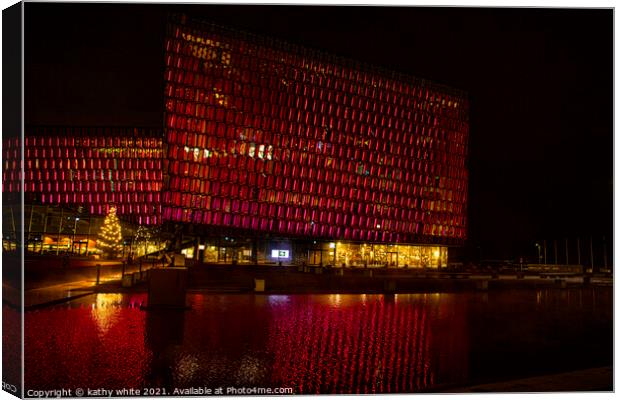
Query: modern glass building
(275, 138)
(271, 152)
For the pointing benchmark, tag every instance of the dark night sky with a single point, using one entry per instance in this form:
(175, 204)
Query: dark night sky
(540, 83)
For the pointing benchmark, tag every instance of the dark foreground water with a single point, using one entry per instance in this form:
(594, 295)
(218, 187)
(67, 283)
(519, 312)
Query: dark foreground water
(319, 343)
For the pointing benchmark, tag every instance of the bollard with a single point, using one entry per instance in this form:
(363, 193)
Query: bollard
(98, 273)
(259, 285)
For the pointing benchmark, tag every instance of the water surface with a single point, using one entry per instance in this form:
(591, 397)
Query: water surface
(319, 343)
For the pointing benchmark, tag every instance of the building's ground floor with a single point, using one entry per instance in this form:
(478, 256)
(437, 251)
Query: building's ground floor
(334, 253)
(54, 230)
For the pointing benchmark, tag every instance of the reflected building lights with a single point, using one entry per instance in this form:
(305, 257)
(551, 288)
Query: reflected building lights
(366, 344)
(105, 309)
(347, 349)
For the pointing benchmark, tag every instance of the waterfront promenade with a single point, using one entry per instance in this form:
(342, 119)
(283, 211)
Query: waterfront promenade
(50, 281)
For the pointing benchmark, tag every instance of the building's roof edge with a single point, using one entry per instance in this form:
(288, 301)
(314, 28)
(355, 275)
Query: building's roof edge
(349, 62)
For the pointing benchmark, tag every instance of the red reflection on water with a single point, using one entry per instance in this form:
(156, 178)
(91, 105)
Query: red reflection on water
(314, 344)
(378, 345)
(318, 343)
(100, 344)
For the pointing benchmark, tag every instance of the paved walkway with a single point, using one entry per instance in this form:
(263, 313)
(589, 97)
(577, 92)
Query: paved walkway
(35, 298)
(588, 380)
(80, 281)
(41, 297)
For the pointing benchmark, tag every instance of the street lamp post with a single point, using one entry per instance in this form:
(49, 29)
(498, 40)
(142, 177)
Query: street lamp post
(74, 231)
(539, 255)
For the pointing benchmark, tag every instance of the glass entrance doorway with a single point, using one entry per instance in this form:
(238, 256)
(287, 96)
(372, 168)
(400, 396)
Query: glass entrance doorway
(316, 257)
(392, 257)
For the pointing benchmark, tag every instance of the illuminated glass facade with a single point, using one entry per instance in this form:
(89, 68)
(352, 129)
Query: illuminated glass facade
(271, 137)
(96, 168)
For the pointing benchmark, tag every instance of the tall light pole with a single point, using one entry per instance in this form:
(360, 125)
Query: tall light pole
(539, 255)
(74, 230)
(59, 232)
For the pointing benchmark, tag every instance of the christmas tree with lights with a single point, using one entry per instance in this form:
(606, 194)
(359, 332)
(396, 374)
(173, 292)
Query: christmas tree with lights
(110, 237)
